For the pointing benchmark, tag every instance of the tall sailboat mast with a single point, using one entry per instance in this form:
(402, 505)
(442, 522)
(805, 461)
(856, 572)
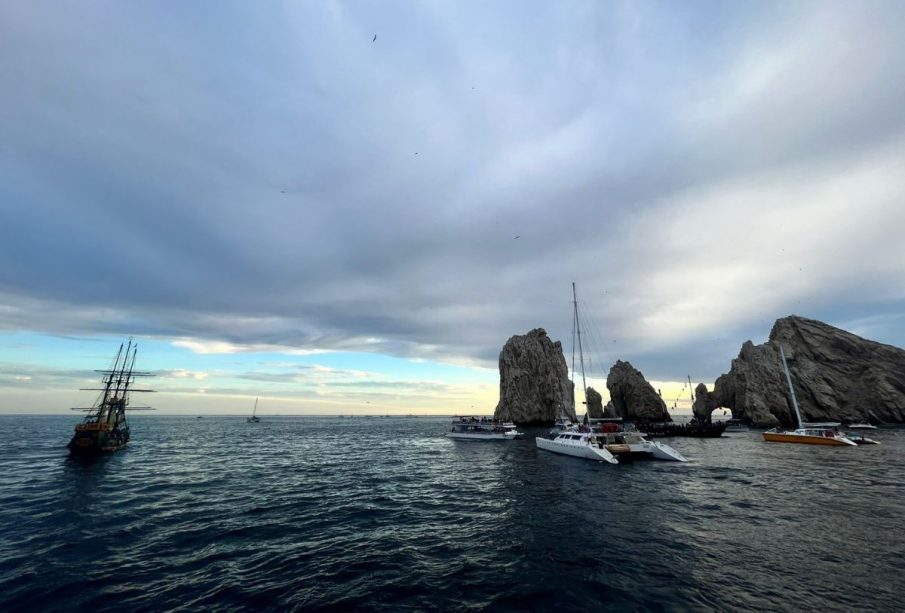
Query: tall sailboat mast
(785, 367)
(584, 385)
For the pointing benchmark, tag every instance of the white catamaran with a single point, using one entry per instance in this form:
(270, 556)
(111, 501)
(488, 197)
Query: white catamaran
(571, 440)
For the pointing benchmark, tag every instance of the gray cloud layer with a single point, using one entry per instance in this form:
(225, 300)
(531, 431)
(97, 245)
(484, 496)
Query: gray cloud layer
(268, 175)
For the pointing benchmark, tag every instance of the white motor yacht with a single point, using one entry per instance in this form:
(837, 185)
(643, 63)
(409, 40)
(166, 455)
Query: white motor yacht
(482, 429)
(577, 444)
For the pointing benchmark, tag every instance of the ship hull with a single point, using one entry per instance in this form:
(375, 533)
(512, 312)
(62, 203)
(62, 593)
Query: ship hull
(487, 436)
(97, 442)
(583, 450)
(804, 439)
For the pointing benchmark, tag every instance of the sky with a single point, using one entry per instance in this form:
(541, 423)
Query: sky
(276, 204)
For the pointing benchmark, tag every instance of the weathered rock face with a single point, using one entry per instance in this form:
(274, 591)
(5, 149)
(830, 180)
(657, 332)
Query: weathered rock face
(632, 396)
(595, 403)
(534, 381)
(837, 376)
(704, 403)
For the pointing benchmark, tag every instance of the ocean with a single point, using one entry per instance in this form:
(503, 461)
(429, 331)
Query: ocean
(386, 514)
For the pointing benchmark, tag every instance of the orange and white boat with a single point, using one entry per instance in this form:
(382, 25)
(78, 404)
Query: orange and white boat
(810, 434)
(807, 434)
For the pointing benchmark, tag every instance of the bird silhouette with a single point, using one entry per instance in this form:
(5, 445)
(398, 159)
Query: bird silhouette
(515, 237)
(374, 39)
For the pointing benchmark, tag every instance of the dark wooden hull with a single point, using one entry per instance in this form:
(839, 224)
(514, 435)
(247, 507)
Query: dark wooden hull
(92, 442)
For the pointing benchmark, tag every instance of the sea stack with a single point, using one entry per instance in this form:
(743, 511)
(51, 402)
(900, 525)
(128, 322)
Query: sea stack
(632, 397)
(704, 404)
(837, 376)
(595, 403)
(534, 381)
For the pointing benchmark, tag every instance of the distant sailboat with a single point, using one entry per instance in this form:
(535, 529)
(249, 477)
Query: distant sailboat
(254, 418)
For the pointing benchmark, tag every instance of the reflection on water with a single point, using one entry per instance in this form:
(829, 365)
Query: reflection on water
(388, 513)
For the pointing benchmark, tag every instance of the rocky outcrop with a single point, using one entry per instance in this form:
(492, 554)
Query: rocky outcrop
(837, 376)
(534, 381)
(632, 397)
(595, 403)
(704, 404)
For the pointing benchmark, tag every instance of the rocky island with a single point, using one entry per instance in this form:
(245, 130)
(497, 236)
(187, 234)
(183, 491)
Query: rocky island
(632, 397)
(534, 381)
(838, 376)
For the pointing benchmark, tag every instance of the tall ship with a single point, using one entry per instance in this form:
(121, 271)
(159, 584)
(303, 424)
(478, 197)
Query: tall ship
(105, 429)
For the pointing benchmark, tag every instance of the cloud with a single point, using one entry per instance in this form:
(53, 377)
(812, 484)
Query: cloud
(273, 181)
(181, 373)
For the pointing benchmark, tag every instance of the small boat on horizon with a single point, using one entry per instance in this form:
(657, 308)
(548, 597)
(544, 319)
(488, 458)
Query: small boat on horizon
(105, 429)
(806, 433)
(736, 425)
(864, 426)
(254, 419)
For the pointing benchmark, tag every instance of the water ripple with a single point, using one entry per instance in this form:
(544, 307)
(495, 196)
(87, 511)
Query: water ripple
(386, 514)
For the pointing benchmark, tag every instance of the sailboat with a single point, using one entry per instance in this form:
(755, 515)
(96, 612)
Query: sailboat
(254, 418)
(104, 429)
(806, 433)
(572, 441)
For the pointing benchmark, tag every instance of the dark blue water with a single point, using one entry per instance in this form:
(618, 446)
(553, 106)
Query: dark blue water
(386, 514)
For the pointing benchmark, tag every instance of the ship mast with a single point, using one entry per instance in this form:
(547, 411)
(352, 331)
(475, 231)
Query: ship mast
(785, 367)
(577, 330)
(103, 408)
(116, 387)
(691, 391)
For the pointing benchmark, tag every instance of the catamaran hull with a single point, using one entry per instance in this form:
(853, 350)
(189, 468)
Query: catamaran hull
(588, 452)
(656, 451)
(494, 436)
(805, 439)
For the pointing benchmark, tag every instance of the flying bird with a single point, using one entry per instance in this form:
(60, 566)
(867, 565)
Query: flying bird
(515, 237)
(374, 39)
